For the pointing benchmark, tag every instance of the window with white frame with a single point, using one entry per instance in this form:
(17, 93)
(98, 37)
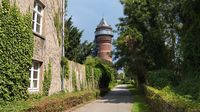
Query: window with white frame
(34, 77)
(37, 17)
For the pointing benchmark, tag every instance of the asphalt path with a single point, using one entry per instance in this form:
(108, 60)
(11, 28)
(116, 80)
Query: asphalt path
(117, 100)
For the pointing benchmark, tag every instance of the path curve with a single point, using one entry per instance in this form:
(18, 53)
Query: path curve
(117, 100)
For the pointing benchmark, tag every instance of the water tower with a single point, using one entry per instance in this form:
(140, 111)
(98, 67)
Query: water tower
(103, 40)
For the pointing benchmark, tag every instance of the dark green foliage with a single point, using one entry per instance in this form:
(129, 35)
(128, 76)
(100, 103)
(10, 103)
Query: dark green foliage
(16, 50)
(106, 76)
(190, 44)
(47, 80)
(105, 79)
(141, 45)
(189, 88)
(161, 36)
(160, 78)
(85, 49)
(72, 39)
(74, 49)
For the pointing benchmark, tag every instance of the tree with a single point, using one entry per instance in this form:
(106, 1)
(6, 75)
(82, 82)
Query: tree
(147, 36)
(85, 49)
(169, 32)
(74, 49)
(72, 40)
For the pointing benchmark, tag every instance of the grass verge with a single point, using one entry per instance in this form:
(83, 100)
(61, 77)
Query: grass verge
(139, 102)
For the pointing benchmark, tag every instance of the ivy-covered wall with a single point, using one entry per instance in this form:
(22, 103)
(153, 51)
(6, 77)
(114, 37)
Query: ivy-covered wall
(16, 51)
(81, 77)
(46, 46)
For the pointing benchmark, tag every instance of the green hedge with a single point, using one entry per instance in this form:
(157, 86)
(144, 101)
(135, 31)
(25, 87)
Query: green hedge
(61, 102)
(16, 51)
(54, 103)
(166, 100)
(108, 72)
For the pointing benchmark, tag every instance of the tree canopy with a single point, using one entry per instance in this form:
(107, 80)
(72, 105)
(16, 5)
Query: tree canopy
(160, 34)
(75, 49)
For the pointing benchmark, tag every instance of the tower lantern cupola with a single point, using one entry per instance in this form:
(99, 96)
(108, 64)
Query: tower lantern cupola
(103, 29)
(103, 40)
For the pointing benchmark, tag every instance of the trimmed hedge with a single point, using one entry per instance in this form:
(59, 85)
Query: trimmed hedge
(61, 102)
(16, 51)
(166, 100)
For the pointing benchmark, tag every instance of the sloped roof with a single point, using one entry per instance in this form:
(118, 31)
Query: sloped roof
(103, 23)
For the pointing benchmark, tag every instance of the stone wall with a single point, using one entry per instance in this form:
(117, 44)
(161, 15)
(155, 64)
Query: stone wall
(81, 81)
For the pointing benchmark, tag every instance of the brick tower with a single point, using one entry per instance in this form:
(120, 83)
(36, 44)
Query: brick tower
(103, 40)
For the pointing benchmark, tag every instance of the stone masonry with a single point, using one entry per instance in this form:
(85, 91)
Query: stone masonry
(46, 46)
(47, 49)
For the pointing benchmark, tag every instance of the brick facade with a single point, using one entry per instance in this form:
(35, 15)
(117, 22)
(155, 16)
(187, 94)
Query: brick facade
(104, 47)
(103, 40)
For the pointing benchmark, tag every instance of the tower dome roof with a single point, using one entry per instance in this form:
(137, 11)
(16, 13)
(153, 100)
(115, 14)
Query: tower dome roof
(103, 23)
(103, 29)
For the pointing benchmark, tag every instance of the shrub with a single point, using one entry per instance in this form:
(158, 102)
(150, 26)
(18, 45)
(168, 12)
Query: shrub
(189, 88)
(54, 103)
(166, 100)
(108, 73)
(160, 78)
(16, 51)
(63, 101)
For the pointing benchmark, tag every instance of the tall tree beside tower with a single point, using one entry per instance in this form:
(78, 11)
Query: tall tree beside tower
(75, 50)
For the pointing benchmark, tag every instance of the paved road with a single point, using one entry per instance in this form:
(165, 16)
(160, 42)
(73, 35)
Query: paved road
(118, 100)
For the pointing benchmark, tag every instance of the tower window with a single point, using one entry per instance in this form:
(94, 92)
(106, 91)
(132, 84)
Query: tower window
(37, 17)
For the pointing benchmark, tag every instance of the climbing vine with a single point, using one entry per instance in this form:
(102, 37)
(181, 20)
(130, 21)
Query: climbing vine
(58, 24)
(47, 80)
(16, 51)
(97, 75)
(74, 81)
(65, 63)
(88, 72)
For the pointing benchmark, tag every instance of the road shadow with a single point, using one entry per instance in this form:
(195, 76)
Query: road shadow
(118, 95)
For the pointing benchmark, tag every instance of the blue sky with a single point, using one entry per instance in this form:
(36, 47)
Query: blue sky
(86, 14)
